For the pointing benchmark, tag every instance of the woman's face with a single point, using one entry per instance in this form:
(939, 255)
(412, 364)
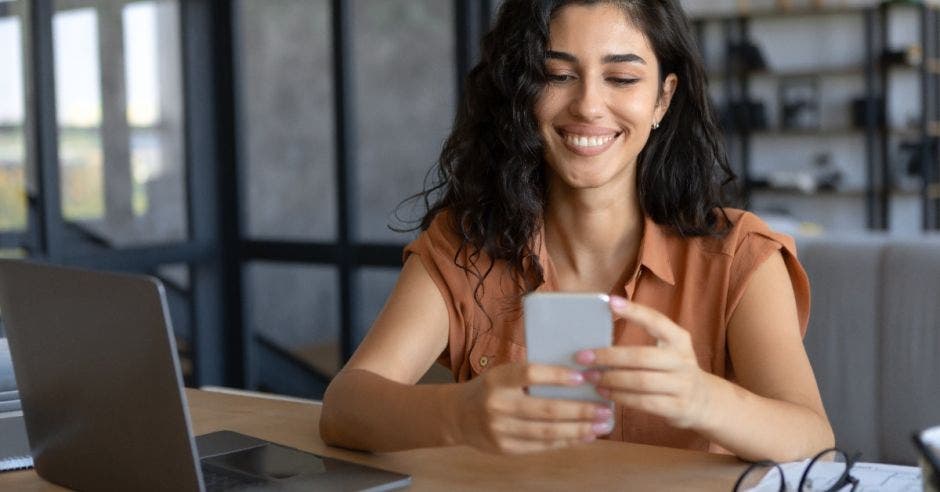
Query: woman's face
(602, 98)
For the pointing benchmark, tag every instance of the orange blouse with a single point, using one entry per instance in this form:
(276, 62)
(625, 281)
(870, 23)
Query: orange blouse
(696, 281)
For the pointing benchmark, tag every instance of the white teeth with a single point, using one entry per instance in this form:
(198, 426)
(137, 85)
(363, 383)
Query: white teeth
(581, 141)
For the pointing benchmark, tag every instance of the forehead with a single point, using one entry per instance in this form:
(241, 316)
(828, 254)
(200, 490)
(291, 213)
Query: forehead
(597, 30)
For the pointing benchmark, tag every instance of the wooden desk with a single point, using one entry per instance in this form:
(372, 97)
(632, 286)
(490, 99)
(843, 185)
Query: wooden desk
(601, 465)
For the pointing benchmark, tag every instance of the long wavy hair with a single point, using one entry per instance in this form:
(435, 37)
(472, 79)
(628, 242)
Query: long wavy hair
(491, 175)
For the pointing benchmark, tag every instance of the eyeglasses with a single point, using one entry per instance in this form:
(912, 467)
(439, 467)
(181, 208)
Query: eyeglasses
(828, 471)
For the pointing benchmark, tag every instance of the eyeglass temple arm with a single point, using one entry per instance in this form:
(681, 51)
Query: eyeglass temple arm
(929, 455)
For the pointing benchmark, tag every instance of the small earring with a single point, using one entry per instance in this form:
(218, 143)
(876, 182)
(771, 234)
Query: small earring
(655, 125)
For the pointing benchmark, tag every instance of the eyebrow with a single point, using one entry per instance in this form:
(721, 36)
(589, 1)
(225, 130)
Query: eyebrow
(625, 58)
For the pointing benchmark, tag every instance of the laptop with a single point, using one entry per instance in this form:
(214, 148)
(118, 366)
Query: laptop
(103, 400)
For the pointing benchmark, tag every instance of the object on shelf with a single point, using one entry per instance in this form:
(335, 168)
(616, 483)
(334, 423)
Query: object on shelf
(745, 56)
(749, 114)
(859, 111)
(787, 5)
(822, 175)
(911, 56)
(908, 165)
(799, 103)
(781, 219)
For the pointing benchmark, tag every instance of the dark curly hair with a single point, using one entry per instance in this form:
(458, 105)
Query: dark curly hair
(491, 174)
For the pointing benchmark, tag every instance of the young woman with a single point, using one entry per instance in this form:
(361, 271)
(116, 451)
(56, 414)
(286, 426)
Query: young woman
(585, 158)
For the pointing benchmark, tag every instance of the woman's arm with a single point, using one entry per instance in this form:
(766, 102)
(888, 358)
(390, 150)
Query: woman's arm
(773, 412)
(373, 404)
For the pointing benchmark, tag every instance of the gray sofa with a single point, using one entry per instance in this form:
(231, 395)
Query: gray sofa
(874, 338)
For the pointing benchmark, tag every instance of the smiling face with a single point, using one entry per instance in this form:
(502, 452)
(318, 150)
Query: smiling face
(602, 98)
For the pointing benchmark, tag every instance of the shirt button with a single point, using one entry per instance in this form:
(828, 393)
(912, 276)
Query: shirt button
(484, 361)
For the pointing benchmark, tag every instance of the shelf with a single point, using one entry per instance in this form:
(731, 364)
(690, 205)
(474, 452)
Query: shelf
(837, 193)
(809, 132)
(779, 13)
(846, 71)
(909, 133)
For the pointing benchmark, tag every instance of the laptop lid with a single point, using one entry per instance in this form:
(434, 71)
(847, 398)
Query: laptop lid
(100, 345)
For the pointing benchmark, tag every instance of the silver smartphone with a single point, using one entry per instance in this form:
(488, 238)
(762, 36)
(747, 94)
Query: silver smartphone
(557, 326)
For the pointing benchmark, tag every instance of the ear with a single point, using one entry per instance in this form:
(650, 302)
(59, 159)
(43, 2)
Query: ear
(665, 96)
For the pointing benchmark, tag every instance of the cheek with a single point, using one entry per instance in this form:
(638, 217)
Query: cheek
(545, 108)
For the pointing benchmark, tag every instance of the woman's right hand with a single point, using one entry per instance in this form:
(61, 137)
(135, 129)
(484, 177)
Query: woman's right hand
(496, 414)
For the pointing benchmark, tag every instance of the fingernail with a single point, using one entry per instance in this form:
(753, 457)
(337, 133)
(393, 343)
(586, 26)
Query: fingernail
(575, 377)
(618, 302)
(602, 428)
(592, 376)
(585, 357)
(604, 392)
(603, 414)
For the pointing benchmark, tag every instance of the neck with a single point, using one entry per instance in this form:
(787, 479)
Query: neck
(592, 235)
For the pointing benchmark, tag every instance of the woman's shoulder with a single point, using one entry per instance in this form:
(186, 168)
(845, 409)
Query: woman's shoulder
(740, 226)
(440, 235)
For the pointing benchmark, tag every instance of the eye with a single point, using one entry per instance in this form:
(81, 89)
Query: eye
(621, 81)
(560, 78)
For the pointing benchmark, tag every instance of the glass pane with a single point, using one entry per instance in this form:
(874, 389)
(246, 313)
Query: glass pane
(78, 111)
(119, 107)
(403, 52)
(155, 117)
(296, 308)
(12, 147)
(286, 101)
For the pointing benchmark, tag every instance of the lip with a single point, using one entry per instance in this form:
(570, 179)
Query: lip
(587, 131)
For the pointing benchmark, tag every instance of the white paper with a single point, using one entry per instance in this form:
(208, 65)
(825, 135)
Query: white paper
(871, 477)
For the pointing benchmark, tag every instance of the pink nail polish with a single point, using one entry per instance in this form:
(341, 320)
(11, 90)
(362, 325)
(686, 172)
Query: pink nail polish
(585, 357)
(604, 392)
(575, 377)
(602, 428)
(592, 376)
(603, 414)
(618, 302)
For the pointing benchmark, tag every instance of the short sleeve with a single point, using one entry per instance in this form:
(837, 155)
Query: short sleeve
(437, 247)
(756, 242)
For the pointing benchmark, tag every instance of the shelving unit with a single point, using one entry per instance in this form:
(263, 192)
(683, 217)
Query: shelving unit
(880, 135)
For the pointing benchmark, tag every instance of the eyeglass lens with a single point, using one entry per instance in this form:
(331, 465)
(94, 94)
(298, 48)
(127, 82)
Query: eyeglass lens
(825, 472)
(761, 477)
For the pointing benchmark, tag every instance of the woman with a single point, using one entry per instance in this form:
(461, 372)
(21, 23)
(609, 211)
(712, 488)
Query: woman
(585, 158)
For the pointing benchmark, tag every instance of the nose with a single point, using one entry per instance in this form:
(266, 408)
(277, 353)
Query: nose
(588, 102)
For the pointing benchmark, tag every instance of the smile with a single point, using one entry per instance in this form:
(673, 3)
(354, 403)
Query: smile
(588, 145)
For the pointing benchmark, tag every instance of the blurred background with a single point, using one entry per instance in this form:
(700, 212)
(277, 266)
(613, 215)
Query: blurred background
(251, 153)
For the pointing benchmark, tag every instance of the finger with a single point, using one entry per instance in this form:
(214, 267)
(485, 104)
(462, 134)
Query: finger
(658, 325)
(521, 375)
(551, 409)
(551, 431)
(647, 382)
(631, 357)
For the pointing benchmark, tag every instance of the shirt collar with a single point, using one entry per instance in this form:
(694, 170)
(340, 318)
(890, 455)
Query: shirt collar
(654, 251)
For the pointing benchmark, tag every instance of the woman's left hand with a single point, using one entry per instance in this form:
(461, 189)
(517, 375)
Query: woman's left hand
(663, 380)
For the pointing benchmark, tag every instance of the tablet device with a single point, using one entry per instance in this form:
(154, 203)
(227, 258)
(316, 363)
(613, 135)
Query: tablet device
(557, 326)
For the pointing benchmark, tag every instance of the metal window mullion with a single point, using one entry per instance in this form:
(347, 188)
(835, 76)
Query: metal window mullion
(879, 181)
(744, 80)
(936, 114)
(218, 338)
(115, 132)
(871, 118)
(345, 127)
(925, 120)
(45, 218)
